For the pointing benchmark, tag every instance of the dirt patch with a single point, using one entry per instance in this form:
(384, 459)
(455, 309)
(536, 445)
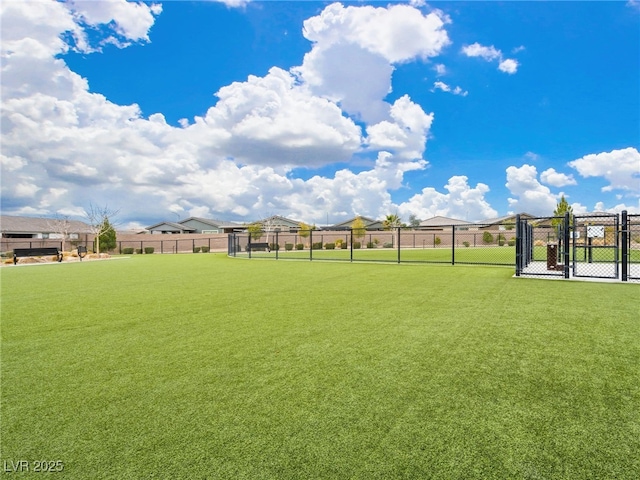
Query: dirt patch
(67, 257)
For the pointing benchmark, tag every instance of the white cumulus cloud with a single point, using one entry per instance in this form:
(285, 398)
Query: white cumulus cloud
(556, 179)
(65, 146)
(356, 42)
(462, 201)
(621, 168)
(507, 65)
(530, 195)
(446, 88)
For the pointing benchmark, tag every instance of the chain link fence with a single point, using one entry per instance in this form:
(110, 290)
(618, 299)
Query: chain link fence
(452, 244)
(579, 246)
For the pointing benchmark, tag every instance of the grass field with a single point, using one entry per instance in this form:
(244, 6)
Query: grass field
(201, 366)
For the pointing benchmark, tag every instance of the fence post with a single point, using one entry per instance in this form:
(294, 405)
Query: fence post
(398, 244)
(616, 249)
(625, 246)
(518, 246)
(351, 247)
(565, 250)
(277, 245)
(453, 244)
(310, 245)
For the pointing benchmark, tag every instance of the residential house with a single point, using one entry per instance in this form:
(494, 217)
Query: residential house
(507, 222)
(277, 223)
(42, 228)
(195, 225)
(369, 224)
(439, 224)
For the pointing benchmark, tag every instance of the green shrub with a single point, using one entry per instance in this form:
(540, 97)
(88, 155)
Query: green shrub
(149, 249)
(330, 246)
(139, 251)
(466, 244)
(356, 245)
(274, 246)
(288, 247)
(205, 249)
(437, 240)
(512, 242)
(127, 251)
(387, 245)
(370, 245)
(501, 239)
(487, 237)
(316, 246)
(196, 249)
(344, 245)
(299, 246)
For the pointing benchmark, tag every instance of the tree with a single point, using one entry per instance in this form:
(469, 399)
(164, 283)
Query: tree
(304, 230)
(61, 226)
(106, 239)
(268, 225)
(561, 208)
(414, 222)
(255, 230)
(392, 222)
(358, 228)
(101, 222)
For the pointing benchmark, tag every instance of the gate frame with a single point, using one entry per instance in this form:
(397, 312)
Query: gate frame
(525, 245)
(616, 247)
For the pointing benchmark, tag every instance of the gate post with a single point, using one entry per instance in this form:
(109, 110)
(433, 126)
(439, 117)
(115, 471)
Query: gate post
(565, 250)
(518, 246)
(625, 246)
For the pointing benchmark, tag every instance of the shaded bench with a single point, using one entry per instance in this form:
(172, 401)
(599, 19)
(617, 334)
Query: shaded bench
(258, 246)
(36, 252)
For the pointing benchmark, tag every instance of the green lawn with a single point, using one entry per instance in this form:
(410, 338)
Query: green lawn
(201, 366)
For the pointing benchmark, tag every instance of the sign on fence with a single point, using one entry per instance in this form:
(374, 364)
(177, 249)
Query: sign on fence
(595, 231)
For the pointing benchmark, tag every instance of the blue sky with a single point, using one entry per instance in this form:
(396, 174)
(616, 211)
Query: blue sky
(316, 110)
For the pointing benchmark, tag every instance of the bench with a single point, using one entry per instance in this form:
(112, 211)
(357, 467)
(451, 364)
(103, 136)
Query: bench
(258, 246)
(36, 252)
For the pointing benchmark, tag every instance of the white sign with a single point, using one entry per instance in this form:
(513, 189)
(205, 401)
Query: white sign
(595, 231)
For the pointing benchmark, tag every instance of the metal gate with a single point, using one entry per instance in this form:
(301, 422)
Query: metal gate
(580, 246)
(542, 246)
(630, 247)
(596, 246)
